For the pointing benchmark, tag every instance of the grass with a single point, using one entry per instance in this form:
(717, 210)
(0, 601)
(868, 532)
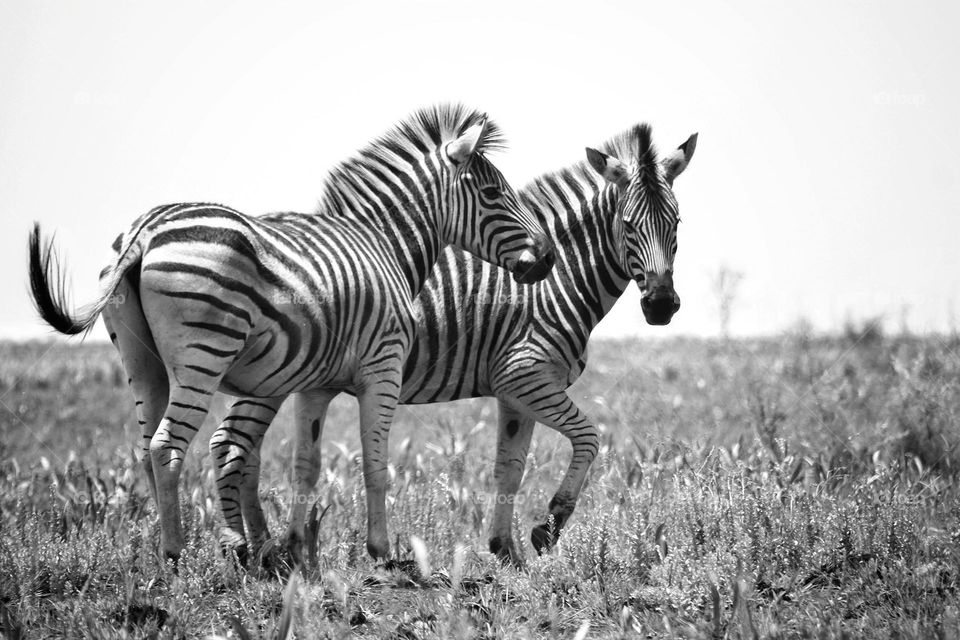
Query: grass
(797, 487)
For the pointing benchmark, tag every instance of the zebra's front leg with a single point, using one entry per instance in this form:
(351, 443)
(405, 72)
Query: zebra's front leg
(513, 442)
(378, 404)
(235, 450)
(310, 412)
(549, 404)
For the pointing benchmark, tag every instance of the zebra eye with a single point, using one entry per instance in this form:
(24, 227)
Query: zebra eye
(490, 193)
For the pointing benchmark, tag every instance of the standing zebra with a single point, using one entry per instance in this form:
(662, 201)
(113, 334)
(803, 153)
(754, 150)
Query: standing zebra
(479, 334)
(316, 304)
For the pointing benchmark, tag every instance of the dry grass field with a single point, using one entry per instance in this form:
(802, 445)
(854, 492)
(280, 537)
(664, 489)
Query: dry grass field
(798, 487)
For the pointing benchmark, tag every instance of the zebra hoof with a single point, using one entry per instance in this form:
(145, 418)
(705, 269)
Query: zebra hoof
(270, 558)
(239, 550)
(506, 551)
(232, 543)
(542, 538)
(378, 551)
(172, 557)
(500, 547)
(293, 542)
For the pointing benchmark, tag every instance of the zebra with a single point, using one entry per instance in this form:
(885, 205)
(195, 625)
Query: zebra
(613, 219)
(207, 298)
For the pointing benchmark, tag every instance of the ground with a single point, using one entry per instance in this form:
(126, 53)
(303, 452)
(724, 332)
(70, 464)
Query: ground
(791, 487)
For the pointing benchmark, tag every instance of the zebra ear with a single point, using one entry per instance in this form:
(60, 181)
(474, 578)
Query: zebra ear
(676, 162)
(612, 169)
(460, 150)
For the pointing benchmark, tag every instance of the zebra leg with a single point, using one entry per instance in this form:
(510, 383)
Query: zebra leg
(146, 373)
(513, 442)
(378, 403)
(233, 446)
(257, 531)
(549, 404)
(190, 397)
(310, 412)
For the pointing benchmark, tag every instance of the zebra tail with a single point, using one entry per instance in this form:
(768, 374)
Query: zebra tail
(48, 287)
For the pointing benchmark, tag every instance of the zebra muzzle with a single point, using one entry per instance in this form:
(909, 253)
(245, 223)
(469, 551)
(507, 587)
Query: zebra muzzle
(534, 263)
(660, 306)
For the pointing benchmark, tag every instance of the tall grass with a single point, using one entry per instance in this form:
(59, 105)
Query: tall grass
(798, 487)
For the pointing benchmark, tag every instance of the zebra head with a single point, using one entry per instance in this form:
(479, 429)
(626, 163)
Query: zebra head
(487, 218)
(645, 227)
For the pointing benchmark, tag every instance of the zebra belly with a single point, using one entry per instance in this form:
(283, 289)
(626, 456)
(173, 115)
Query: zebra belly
(455, 369)
(460, 388)
(273, 363)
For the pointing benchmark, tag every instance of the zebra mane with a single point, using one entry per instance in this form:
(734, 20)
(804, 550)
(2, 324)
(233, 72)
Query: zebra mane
(633, 146)
(430, 127)
(423, 132)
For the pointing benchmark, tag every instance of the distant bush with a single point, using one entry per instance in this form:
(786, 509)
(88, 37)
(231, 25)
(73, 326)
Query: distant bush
(866, 333)
(925, 408)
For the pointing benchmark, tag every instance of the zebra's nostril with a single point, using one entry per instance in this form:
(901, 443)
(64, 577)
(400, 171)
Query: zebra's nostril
(527, 257)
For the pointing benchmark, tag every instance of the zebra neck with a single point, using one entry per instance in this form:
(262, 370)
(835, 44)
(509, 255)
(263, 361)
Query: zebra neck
(407, 218)
(587, 279)
(416, 244)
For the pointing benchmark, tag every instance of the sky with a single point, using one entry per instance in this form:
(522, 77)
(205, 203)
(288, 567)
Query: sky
(826, 170)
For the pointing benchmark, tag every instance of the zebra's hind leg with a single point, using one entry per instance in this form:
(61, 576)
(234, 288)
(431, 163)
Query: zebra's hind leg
(310, 412)
(513, 442)
(256, 522)
(145, 371)
(549, 404)
(191, 391)
(235, 450)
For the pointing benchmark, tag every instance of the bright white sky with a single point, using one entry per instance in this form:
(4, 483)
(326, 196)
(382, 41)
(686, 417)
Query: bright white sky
(827, 167)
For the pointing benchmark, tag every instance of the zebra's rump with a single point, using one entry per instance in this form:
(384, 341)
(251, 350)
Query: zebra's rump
(268, 306)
